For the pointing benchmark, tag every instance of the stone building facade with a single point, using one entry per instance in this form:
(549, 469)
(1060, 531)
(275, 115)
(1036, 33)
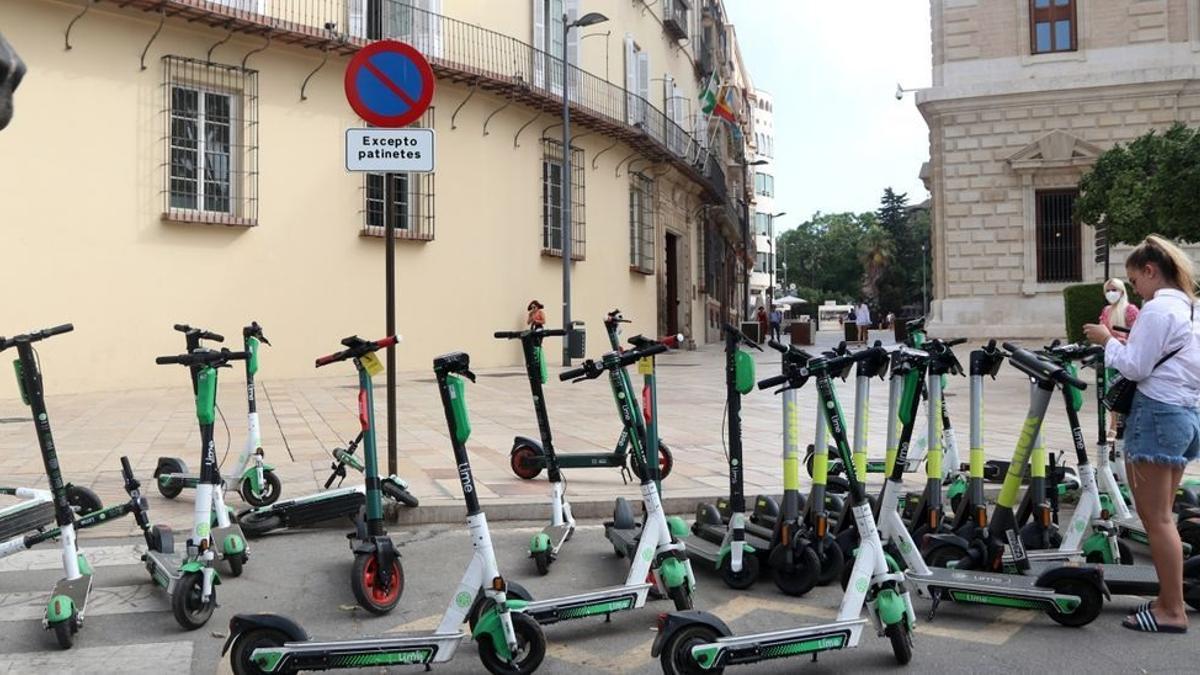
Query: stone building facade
(1026, 94)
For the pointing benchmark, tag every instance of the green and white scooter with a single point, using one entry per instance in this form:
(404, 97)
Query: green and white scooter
(700, 642)
(256, 483)
(191, 580)
(510, 642)
(1071, 595)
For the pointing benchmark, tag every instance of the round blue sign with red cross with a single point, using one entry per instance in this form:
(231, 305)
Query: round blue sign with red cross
(389, 84)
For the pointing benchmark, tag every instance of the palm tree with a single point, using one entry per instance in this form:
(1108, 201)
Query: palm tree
(876, 250)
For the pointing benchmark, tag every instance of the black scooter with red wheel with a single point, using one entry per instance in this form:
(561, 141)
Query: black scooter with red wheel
(528, 456)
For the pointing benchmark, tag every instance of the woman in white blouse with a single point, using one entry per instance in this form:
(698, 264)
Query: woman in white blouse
(1162, 431)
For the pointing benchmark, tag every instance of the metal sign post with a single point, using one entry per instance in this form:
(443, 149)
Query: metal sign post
(389, 84)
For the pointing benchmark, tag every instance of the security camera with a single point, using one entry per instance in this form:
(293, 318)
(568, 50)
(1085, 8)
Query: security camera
(899, 92)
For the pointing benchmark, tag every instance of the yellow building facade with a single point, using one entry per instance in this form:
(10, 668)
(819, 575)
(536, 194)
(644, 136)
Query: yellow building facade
(183, 162)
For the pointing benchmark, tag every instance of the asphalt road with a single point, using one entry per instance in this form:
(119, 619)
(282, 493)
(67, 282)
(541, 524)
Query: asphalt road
(305, 576)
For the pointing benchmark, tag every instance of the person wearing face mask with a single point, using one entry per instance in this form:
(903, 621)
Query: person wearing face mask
(1119, 312)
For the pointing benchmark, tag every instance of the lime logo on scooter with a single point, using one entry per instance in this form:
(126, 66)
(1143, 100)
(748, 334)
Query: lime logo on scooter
(463, 599)
(861, 584)
(210, 452)
(464, 476)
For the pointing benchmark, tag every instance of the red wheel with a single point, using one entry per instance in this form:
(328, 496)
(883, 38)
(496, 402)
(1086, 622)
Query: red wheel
(369, 588)
(665, 461)
(526, 462)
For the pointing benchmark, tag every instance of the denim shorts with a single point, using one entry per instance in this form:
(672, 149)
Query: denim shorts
(1161, 433)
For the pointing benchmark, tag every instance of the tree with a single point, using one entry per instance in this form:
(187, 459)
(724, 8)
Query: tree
(1150, 186)
(875, 251)
(893, 212)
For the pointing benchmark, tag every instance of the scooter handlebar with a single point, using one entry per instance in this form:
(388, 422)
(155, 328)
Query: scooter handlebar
(1032, 362)
(773, 381)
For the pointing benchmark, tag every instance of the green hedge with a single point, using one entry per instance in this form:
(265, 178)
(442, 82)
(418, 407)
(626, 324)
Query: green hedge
(1082, 304)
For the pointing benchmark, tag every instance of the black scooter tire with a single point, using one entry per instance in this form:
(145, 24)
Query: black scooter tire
(831, 561)
(1189, 533)
(681, 595)
(246, 643)
(740, 581)
(530, 640)
(801, 576)
(901, 641)
(168, 465)
(676, 654)
(190, 611)
(64, 632)
(623, 515)
(399, 494)
(1091, 602)
(256, 524)
(83, 500)
(270, 495)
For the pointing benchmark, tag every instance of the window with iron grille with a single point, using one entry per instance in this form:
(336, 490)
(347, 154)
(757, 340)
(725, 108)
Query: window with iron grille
(211, 142)
(641, 223)
(1052, 26)
(552, 200)
(1059, 240)
(405, 198)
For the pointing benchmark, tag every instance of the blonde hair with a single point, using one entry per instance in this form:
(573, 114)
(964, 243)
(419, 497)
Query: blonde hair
(1176, 266)
(1116, 315)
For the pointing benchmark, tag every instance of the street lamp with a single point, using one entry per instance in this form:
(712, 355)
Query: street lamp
(924, 298)
(771, 262)
(747, 191)
(589, 19)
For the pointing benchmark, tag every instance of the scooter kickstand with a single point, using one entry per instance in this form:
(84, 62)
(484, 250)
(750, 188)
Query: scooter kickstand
(937, 600)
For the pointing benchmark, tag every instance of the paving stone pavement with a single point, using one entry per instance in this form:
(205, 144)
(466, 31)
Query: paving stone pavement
(302, 420)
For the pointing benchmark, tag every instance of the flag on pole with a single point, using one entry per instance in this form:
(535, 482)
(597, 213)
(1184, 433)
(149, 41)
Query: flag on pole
(708, 95)
(725, 105)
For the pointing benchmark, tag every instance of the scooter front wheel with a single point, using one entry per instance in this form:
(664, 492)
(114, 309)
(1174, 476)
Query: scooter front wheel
(269, 494)
(744, 578)
(681, 595)
(372, 593)
(901, 641)
(832, 561)
(798, 577)
(246, 643)
(531, 648)
(188, 605)
(676, 658)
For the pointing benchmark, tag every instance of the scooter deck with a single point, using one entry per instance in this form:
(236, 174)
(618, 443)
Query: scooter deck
(77, 590)
(1120, 579)
(402, 649)
(715, 534)
(316, 508)
(602, 601)
(29, 515)
(623, 540)
(164, 568)
(737, 649)
(985, 588)
(558, 535)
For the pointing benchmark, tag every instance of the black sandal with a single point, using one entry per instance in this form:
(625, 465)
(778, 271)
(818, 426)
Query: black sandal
(1143, 621)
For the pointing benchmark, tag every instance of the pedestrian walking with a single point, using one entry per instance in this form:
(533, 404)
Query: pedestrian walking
(1162, 355)
(535, 316)
(862, 317)
(776, 323)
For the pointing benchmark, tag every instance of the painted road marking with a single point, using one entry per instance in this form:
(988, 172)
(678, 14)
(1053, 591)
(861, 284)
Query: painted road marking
(31, 605)
(150, 658)
(48, 558)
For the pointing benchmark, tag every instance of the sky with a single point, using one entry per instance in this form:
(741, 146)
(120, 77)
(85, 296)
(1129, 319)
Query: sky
(841, 136)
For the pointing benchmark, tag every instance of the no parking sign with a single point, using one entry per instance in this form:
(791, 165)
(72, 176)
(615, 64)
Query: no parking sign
(389, 84)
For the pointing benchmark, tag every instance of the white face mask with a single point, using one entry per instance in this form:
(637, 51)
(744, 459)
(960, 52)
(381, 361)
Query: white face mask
(1112, 296)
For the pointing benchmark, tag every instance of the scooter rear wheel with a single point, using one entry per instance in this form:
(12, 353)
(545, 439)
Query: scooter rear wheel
(367, 584)
(187, 602)
(246, 643)
(83, 500)
(272, 488)
(256, 523)
(236, 562)
(531, 648)
(801, 575)
(64, 632)
(541, 560)
(1090, 602)
(676, 658)
(168, 465)
(831, 561)
(399, 494)
(524, 462)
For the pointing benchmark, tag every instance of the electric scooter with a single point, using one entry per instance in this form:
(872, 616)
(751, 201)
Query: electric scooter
(697, 642)
(509, 640)
(257, 483)
(341, 502)
(726, 546)
(34, 511)
(657, 554)
(527, 457)
(1071, 595)
(545, 545)
(1090, 532)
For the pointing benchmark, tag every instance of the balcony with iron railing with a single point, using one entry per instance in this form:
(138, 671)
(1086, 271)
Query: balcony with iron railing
(462, 53)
